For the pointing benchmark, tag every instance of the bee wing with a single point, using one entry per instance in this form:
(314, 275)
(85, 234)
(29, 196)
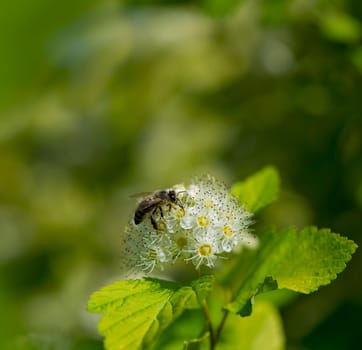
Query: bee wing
(148, 204)
(141, 194)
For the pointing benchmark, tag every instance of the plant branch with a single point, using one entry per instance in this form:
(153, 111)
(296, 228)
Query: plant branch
(195, 340)
(209, 325)
(221, 326)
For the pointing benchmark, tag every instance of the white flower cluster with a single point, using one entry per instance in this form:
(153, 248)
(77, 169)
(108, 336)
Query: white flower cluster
(204, 222)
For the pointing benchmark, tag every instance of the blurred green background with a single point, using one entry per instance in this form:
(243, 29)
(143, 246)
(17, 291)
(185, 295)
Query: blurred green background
(102, 99)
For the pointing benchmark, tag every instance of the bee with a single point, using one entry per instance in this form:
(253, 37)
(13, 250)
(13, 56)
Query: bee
(154, 204)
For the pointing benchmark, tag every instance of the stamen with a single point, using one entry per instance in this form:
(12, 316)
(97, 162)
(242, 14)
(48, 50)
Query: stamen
(203, 221)
(228, 231)
(205, 250)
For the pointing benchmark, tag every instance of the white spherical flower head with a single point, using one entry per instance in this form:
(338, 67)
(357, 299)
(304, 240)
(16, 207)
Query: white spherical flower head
(201, 223)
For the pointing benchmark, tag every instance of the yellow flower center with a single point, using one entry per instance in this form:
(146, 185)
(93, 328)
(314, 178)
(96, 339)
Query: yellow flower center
(205, 250)
(228, 231)
(203, 221)
(208, 203)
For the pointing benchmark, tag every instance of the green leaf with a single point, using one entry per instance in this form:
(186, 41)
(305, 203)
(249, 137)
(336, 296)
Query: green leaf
(136, 311)
(203, 286)
(299, 261)
(185, 330)
(262, 330)
(258, 190)
(268, 285)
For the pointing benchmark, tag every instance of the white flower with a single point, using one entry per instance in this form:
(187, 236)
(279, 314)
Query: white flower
(233, 225)
(204, 222)
(203, 251)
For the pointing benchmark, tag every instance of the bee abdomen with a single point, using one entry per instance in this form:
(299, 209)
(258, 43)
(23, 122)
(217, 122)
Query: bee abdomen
(138, 217)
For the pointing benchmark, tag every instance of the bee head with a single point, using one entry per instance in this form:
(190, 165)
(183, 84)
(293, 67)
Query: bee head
(172, 195)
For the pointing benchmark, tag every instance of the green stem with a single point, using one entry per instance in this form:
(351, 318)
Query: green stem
(209, 325)
(221, 326)
(195, 340)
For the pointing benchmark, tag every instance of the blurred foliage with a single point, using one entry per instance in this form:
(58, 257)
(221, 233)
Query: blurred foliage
(101, 99)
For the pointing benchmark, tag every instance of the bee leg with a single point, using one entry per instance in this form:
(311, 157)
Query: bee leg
(161, 212)
(179, 203)
(154, 222)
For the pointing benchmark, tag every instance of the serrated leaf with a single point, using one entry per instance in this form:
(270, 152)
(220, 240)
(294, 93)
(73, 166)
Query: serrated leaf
(136, 311)
(299, 261)
(258, 190)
